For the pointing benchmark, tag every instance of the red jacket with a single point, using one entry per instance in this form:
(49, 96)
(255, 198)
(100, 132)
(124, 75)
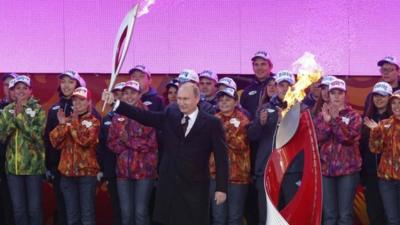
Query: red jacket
(135, 146)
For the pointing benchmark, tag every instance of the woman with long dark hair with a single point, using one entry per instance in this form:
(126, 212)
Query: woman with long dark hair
(384, 139)
(378, 109)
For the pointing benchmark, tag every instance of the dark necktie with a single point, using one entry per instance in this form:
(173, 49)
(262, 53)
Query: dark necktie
(185, 123)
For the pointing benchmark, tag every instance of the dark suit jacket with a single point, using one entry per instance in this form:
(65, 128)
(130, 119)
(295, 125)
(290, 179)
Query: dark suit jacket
(183, 196)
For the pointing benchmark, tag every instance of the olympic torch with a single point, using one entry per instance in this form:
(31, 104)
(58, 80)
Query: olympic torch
(295, 134)
(121, 45)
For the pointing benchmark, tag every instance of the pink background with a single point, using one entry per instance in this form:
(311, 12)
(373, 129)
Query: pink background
(348, 36)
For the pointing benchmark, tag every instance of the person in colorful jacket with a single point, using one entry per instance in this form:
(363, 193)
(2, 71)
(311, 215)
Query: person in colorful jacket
(338, 129)
(384, 139)
(68, 82)
(22, 125)
(5, 200)
(136, 168)
(235, 123)
(379, 109)
(108, 159)
(76, 137)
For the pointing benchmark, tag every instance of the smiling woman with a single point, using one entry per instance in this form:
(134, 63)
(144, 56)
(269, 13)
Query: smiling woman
(22, 126)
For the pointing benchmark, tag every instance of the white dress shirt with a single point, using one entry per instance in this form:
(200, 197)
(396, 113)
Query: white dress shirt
(192, 119)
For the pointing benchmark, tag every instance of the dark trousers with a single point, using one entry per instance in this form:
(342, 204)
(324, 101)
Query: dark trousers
(231, 211)
(134, 199)
(6, 212)
(338, 196)
(375, 210)
(26, 197)
(390, 192)
(79, 194)
(113, 192)
(262, 201)
(60, 216)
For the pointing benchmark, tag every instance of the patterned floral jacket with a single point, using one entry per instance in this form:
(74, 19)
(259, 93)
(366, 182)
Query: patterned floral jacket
(25, 153)
(385, 139)
(238, 147)
(135, 146)
(339, 143)
(77, 141)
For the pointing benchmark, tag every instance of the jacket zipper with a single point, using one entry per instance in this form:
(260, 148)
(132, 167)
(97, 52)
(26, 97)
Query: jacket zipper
(16, 152)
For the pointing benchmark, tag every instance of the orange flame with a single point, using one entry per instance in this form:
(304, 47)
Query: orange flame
(308, 72)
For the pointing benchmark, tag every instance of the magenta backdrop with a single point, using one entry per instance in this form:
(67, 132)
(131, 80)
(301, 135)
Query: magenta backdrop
(348, 36)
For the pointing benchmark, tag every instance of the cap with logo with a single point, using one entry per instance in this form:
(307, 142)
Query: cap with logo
(227, 81)
(337, 84)
(22, 79)
(388, 59)
(133, 85)
(188, 75)
(227, 91)
(140, 68)
(209, 75)
(173, 83)
(285, 75)
(119, 86)
(382, 88)
(260, 54)
(82, 92)
(75, 76)
(326, 80)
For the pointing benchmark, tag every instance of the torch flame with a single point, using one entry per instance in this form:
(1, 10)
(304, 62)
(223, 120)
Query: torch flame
(308, 72)
(145, 8)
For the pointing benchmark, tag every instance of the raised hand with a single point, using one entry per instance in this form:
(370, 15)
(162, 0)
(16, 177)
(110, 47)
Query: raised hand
(326, 113)
(107, 97)
(371, 124)
(61, 116)
(263, 116)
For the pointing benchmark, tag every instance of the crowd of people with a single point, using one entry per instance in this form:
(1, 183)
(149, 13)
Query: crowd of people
(195, 154)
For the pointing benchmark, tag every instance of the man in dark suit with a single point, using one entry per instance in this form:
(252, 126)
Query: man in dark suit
(189, 136)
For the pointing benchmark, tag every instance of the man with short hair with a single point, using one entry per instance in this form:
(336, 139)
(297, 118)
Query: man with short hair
(189, 137)
(150, 96)
(250, 100)
(252, 94)
(208, 86)
(389, 70)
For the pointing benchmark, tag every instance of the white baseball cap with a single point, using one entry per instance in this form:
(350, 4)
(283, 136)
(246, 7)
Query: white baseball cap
(326, 80)
(209, 75)
(337, 84)
(285, 75)
(188, 75)
(227, 91)
(119, 86)
(388, 59)
(22, 79)
(82, 92)
(74, 75)
(382, 88)
(260, 54)
(227, 81)
(140, 68)
(133, 85)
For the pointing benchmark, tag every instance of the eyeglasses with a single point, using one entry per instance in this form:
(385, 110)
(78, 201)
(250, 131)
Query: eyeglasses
(386, 70)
